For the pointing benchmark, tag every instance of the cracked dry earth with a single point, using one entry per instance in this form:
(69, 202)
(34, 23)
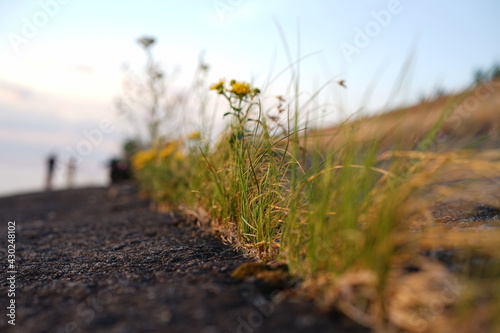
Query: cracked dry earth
(90, 263)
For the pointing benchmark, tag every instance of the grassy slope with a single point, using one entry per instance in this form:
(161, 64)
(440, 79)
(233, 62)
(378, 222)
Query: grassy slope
(472, 120)
(458, 183)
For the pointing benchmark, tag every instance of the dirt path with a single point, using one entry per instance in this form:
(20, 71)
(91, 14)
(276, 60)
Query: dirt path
(88, 263)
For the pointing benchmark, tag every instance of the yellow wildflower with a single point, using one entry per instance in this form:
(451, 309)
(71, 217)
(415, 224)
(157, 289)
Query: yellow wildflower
(168, 149)
(141, 159)
(240, 88)
(219, 86)
(194, 135)
(179, 156)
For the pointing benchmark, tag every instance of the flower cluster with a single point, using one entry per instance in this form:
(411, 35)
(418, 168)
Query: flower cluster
(168, 149)
(239, 89)
(143, 158)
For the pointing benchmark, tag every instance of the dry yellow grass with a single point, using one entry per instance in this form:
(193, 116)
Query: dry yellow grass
(471, 118)
(452, 214)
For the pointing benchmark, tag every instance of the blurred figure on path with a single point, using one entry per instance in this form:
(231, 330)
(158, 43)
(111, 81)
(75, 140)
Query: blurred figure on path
(119, 171)
(71, 172)
(51, 163)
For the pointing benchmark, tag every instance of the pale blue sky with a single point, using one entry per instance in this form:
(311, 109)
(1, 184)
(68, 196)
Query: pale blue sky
(64, 78)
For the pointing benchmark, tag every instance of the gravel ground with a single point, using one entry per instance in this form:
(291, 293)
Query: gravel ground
(87, 262)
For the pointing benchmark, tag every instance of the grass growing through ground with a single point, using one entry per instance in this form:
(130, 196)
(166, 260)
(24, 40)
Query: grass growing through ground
(352, 223)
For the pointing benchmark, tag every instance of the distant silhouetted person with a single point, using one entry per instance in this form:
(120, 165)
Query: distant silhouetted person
(51, 163)
(119, 171)
(71, 171)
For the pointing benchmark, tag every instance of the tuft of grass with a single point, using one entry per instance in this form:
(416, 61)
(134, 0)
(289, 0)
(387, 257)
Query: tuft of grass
(247, 174)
